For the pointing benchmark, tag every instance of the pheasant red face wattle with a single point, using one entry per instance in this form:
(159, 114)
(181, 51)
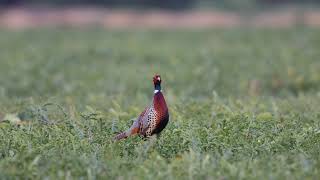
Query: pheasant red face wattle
(157, 79)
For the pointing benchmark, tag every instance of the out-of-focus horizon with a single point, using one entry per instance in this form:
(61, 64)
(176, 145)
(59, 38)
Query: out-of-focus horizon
(163, 14)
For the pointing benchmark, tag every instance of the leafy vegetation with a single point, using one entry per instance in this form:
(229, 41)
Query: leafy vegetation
(244, 104)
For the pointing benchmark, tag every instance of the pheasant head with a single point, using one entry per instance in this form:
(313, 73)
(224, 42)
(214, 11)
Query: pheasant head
(157, 83)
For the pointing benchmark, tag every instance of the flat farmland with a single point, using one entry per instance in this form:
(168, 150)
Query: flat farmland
(244, 103)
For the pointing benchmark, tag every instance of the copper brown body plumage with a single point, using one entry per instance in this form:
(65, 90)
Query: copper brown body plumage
(153, 119)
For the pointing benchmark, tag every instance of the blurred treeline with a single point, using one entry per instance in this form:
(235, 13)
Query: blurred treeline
(170, 4)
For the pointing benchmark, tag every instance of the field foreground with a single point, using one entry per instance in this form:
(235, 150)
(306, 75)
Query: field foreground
(244, 104)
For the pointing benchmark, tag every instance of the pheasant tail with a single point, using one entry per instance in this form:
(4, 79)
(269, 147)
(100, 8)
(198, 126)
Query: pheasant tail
(120, 136)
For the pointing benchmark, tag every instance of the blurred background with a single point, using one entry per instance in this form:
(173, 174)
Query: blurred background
(167, 4)
(158, 13)
(95, 50)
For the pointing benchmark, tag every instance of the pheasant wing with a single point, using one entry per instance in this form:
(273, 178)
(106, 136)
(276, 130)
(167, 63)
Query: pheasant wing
(148, 122)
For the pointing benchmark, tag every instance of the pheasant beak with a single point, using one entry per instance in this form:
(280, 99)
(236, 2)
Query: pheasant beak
(158, 78)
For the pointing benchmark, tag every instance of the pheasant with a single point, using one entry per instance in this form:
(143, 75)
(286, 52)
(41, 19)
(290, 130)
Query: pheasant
(153, 119)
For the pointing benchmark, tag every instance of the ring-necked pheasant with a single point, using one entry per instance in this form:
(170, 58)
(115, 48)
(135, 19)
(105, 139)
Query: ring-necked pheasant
(153, 119)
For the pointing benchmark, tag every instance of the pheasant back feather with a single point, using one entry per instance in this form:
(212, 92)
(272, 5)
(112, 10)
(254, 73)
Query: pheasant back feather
(148, 122)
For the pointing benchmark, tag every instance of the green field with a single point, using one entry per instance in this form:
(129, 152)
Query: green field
(244, 104)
